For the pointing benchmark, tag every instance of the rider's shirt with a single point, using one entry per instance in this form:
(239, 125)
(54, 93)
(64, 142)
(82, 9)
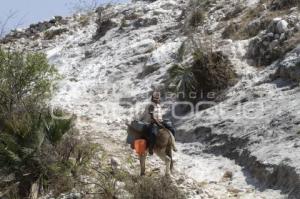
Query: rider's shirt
(156, 111)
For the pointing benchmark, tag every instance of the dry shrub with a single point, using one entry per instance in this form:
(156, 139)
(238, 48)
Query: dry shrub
(213, 71)
(197, 17)
(238, 30)
(205, 79)
(72, 157)
(51, 34)
(284, 4)
(104, 26)
(230, 31)
(235, 12)
(84, 20)
(150, 187)
(291, 43)
(273, 54)
(104, 23)
(252, 22)
(111, 182)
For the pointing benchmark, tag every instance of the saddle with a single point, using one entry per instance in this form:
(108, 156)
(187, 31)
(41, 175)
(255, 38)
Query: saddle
(139, 125)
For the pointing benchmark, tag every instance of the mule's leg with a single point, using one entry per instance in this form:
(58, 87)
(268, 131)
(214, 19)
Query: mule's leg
(169, 154)
(168, 161)
(164, 157)
(143, 164)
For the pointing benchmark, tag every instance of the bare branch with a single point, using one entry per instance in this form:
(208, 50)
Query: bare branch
(3, 24)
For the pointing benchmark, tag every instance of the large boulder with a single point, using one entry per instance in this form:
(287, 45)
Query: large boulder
(289, 67)
(282, 26)
(272, 43)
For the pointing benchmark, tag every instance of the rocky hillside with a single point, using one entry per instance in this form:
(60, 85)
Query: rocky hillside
(246, 143)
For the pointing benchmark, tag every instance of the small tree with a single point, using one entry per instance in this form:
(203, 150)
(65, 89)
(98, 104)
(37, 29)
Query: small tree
(26, 126)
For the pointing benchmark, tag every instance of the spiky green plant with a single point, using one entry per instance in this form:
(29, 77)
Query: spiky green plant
(28, 133)
(182, 77)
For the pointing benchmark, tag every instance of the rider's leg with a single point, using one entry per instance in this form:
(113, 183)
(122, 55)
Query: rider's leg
(169, 127)
(152, 129)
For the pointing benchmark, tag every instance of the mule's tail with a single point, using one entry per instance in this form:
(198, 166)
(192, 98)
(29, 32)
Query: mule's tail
(173, 143)
(169, 153)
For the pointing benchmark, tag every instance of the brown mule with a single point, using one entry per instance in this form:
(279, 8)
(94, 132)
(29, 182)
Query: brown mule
(163, 147)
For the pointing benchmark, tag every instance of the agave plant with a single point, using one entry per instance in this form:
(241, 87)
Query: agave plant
(182, 77)
(21, 154)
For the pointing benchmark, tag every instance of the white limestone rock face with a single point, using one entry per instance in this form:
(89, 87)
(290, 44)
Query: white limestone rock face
(251, 133)
(289, 67)
(282, 26)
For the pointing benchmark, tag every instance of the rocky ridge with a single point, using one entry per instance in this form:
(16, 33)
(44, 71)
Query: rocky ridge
(253, 133)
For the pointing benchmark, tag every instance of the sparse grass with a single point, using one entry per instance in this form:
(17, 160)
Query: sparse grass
(284, 4)
(104, 24)
(276, 53)
(123, 23)
(204, 4)
(197, 17)
(231, 31)
(51, 34)
(234, 13)
(110, 182)
(84, 20)
(241, 30)
(291, 43)
(152, 187)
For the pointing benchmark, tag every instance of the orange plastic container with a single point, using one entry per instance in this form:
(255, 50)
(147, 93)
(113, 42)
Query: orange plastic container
(140, 146)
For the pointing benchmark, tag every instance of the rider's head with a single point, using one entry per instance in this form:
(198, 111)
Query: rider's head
(155, 97)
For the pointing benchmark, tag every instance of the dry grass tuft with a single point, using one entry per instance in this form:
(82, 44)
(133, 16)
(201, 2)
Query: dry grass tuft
(213, 71)
(151, 187)
(252, 22)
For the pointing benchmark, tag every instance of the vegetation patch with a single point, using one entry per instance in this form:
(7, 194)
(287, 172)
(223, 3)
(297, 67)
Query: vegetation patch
(111, 181)
(37, 151)
(197, 17)
(284, 4)
(270, 47)
(150, 187)
(210, 72)
(84, 20)
(213, 71)
(103, 26)
(235, 12)
(51, 34)
(252, 22)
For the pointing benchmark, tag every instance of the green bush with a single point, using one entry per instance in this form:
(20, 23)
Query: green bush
(31, 140)
(23, 77)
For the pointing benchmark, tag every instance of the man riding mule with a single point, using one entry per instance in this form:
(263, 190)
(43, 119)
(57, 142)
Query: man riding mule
(158, 133)
(156, 121)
